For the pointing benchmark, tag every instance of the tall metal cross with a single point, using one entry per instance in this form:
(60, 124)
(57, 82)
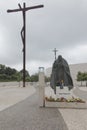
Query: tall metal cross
(23, 31)
(55, 52)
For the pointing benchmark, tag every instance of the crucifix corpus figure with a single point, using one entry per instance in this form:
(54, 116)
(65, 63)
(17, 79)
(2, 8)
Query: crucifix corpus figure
(55, 51)
(23, 31)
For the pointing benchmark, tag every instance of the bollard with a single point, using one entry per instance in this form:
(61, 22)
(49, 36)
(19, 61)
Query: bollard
(41, 87)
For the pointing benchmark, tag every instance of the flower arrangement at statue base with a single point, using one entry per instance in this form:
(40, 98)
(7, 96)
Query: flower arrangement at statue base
(62, 99)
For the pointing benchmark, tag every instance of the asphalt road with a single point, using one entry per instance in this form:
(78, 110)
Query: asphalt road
(27, 115)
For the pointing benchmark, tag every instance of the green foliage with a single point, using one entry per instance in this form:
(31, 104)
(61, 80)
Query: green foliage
(20, 76)
(28, 79)
(2, 69)
(47, 79)
(10, 74)
(81, 76)
(26, 73)
(34, 78)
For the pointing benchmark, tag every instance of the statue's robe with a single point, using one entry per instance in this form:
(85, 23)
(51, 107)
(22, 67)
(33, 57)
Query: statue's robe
(61, 72)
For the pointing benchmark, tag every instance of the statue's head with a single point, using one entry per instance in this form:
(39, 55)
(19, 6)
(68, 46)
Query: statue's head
(59, 57)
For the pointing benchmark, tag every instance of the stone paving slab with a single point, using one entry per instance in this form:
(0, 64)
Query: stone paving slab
(11, 95)
(27, 115)
(76, 119)
(80, 93)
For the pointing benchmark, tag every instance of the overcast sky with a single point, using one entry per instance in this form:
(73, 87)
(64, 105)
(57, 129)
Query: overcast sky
(61, 24)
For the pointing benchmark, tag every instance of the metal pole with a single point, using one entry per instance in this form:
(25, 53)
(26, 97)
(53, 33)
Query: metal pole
(24, 51)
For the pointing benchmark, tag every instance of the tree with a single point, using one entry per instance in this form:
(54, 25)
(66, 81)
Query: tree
(82, 77)
(26, 73)
(27, 76)
(34, 78)
(7, 73)
(47, 79)
(2, 69)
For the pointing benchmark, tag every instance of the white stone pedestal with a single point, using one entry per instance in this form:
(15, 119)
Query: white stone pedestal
(63, 92)
(41, 89)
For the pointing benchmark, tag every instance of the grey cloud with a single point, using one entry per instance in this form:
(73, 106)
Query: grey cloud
(61, 24)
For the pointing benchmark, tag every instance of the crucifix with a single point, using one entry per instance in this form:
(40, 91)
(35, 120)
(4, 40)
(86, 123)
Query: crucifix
(23, 32)
(55, 52)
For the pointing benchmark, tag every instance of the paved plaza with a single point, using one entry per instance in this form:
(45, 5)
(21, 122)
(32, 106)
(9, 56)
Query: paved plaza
(20, 111)
(27, 115)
